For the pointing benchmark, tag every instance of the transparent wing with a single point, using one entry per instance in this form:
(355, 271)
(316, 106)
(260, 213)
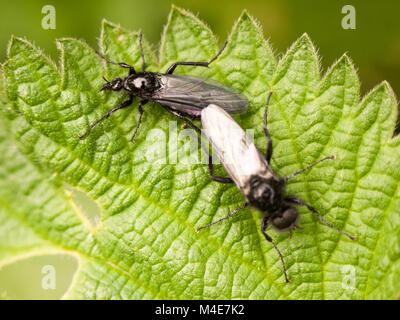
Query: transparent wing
(191, 95)
(234, 148)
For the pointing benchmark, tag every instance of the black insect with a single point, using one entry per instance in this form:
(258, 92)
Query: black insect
(184, 97)
(250, 171)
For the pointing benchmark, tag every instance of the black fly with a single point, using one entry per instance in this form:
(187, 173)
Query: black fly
(250, 171)
(184, 97)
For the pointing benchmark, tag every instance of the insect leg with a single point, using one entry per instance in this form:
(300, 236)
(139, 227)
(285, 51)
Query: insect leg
(171, 69)
(264, 225)
(308, 167)
(230, 214)
(299, 202)
(220, 179)
(211, 171)
(210, 164)
(266, 131)
(121, 64)
(141, 104)
(181, 116)
(124, 104)
(141, 53)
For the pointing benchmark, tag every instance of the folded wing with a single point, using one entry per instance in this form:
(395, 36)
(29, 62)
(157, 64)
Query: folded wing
(234, 148)
(191, 95)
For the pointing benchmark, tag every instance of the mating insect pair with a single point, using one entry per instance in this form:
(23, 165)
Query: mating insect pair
(193, 98)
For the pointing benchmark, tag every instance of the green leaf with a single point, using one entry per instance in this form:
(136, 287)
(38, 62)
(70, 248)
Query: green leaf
(145, 246)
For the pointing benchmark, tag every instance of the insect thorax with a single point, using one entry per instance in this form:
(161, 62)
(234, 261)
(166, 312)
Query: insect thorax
(265, 194)
(142, 84)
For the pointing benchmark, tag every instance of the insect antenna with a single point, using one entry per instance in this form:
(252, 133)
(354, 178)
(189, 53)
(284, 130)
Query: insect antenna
(107, 85)
(308, 167)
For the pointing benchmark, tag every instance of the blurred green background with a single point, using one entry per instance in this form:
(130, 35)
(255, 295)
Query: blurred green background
(374, 46)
